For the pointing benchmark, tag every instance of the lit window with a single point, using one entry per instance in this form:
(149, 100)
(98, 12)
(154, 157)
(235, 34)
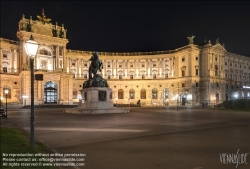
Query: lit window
(143, 94)
(132, 94)
(120, 94)
(154, 93)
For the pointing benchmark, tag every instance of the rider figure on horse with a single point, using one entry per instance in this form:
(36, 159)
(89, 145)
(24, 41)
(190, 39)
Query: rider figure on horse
(95, 65)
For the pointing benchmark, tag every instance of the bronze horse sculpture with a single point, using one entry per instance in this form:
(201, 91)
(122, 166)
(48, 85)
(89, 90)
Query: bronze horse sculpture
(95, 65)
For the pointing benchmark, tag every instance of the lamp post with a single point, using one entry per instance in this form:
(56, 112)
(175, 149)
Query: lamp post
(6, 91)
(31, 47)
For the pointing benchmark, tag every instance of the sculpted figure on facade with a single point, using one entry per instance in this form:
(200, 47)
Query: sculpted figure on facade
(191, 39)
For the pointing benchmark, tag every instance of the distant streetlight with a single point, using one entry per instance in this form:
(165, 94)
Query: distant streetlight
(31, 47)
(6, 91)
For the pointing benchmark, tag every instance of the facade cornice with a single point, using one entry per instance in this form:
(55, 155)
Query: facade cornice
(23, 36)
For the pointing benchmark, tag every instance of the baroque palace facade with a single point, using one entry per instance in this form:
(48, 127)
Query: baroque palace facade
(189, 75)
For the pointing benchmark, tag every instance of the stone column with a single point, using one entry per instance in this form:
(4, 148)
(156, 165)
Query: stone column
(150, 68)
(158, 67)
(64, 59)
(1, 55)
(39, 90)
(57, 57)
(116, 66)
(123, 66)
(70, 64)
(77, 68)
(17, 61)
(61, 88)
(105, 68)
(12, 60)
(81, 67)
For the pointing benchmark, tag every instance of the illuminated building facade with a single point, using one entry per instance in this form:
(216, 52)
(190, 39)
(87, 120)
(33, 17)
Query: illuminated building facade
(189, 75)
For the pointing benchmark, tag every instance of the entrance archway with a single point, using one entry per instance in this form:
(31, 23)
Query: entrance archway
(50, 92)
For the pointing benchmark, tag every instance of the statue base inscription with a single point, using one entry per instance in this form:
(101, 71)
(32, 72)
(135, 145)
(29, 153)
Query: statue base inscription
(96, 100)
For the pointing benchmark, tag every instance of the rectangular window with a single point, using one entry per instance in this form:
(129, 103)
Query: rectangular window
(5, 69)
(85, 76)
(183, 73)
(120, 76)
(196, 72)
(197, 84)
(183, 85)
(120, 65)
(73, 64)
(109, 76)
(131, 76)
(85, 64)
(108, 65)
(74, 94)
(166, 75)
(143, 76)
(196, 58)
(154, 64)
(131, 65)
(225, 63)
(5, 55)
(143, 65)
(183, 59)
(154, 76)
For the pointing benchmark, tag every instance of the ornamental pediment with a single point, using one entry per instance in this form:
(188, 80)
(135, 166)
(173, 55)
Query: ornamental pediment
(218, 48)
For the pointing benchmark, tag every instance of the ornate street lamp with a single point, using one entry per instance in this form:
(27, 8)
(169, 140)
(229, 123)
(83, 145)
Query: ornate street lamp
(6, 91)
(31, 47)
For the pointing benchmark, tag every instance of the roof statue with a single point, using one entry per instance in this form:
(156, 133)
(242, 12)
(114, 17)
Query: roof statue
(191, 39)
(217, 41)
(43, 18)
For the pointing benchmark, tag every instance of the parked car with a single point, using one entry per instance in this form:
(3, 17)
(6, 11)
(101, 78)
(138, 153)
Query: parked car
(2, 112)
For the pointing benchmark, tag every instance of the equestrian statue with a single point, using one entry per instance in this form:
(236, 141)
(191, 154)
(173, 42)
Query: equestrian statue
(95, 65)
(95, 80)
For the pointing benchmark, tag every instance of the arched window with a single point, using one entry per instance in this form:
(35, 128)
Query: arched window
(9, 91)
(154, 93)
(143, 94)
(120, 94)
(132, 94)
(50, 92)
(74, 94)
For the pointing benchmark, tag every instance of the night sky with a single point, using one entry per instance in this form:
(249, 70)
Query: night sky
(138, 26)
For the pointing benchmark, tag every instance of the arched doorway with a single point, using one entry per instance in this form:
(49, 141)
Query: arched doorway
(50, 92)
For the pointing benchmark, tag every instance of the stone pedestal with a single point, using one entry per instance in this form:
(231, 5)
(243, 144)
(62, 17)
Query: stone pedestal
(96, 99)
